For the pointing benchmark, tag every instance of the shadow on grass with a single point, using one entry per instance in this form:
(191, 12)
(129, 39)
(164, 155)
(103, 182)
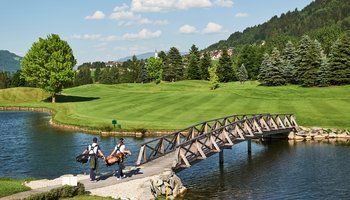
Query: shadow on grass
(66, 99)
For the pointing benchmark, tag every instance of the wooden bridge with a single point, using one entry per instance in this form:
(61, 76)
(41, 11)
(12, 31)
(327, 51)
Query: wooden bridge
(195, 143)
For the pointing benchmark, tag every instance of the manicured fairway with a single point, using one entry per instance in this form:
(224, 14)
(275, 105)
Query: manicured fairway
(170, 106)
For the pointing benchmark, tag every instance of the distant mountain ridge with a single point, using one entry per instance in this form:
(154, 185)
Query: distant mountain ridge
(139, 56)
(322, 19)
(9, 61)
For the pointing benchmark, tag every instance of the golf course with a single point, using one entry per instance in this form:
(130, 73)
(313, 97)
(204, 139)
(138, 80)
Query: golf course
(176, 105)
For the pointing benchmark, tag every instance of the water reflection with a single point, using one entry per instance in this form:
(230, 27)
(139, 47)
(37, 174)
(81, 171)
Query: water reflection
(35, 149)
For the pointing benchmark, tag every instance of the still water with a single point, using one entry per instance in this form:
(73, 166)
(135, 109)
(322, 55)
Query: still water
(30, 147)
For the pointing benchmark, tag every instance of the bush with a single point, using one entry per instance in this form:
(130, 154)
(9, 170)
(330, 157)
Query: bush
(57, 193)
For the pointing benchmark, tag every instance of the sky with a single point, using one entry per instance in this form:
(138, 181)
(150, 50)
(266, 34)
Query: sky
(105, 30)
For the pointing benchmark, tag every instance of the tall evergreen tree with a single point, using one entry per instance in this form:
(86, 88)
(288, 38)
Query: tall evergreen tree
(242, 74)
(312, 65)
(339, 62)
(274, 74)
(205, 63)
(193, 70)
(106, 76)
(173, 68)
(303, 58)
(224, 69)
(289, 57)
(265, 64)
(324, 73)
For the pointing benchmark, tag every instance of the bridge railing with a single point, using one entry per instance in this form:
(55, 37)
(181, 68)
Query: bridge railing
(226, 135)
(166, 144)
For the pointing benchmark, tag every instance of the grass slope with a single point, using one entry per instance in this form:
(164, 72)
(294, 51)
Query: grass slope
(170, 106)
(10, 186)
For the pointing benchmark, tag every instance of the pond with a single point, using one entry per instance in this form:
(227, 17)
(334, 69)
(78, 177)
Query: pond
(277, 170)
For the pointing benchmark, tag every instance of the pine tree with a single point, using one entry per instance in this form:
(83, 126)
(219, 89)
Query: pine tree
(173, 68)
(213, 77)
(205, 63)
(312, 66)
(339, 61)
(274, 73)
(225, 69)
(193, 68)
(242, 74)
(266, 64)
(303, 57)
(324, 73)
(289, 57)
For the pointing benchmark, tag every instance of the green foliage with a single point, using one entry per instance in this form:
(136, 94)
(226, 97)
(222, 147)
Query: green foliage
(17, 80)
(5, 80)
(340, 61)
(154, 68)
(324, 72)
(193, 69)
(224, 69)
(10, 186)
(251, 56)
(83, 77)
(9, 62)
(58, 193)
(266, 64)
(289, 57)
(110, 75)
(49, 64)
(323, 19)
(205, 63)
(213, 77)
(173, 69)
(274, 74)
(242, 74)
(97, 74)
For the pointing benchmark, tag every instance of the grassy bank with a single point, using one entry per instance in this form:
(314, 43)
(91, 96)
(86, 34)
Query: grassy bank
(170, 106)
(10, 186)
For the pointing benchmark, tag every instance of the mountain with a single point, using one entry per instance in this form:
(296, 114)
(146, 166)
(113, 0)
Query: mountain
(9, 61)
(143, 56)
(139, 57)
(321, 19)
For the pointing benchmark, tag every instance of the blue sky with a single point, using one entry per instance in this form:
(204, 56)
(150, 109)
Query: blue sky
(103, 30)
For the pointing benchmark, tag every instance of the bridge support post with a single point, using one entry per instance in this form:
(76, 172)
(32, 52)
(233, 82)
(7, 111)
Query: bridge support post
(221, 157)
(249, 142)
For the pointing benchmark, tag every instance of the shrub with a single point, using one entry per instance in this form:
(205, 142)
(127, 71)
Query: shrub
(57, 193)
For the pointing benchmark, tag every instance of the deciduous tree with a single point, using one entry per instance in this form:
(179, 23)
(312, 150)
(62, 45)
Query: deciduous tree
(49, 64)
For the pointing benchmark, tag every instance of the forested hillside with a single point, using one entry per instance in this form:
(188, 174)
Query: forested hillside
(9, 62)
(323, 20)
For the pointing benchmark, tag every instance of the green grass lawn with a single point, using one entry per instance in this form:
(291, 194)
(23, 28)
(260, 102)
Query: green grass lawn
(10, 186)
(170, 106)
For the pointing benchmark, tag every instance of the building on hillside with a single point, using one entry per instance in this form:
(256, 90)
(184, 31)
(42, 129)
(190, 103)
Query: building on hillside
(112, 63)
(216, 54)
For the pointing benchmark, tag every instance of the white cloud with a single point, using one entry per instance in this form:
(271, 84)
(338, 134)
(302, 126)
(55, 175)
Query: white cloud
(187, 29)
(241, 14)
(124, 15)
(212, 28)
(161, 22)
(121, 8)
(163, 5)
(224, 3)
(142, 35)
(86, 36)
(97, 15)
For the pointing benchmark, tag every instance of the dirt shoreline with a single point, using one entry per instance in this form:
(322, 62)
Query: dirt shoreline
(84, 129)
